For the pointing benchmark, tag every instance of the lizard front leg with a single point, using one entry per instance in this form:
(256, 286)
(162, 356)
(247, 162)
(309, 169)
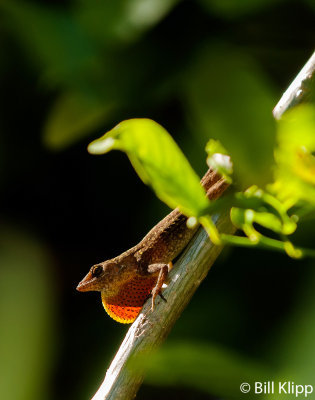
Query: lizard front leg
(164, 269)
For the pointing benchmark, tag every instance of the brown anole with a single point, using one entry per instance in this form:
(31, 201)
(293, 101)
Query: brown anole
(127, 281)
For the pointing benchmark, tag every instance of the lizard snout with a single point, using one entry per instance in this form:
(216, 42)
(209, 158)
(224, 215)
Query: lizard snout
(86, 284)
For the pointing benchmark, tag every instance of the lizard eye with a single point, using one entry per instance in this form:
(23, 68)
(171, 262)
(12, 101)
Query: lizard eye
(96, 271)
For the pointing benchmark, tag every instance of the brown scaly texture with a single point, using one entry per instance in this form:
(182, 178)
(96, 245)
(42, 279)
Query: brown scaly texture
(126, 281)
(126, 306)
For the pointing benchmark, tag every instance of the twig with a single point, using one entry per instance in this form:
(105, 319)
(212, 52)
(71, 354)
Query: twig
(151, 328)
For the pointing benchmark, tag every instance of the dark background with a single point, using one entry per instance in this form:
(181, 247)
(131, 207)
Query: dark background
(63, 210)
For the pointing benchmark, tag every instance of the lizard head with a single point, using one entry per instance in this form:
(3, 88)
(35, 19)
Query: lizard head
(103, 276)
(123, 290)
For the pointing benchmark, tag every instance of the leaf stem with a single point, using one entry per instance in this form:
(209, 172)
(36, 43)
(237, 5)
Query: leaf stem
(211, 229)
(268, 243)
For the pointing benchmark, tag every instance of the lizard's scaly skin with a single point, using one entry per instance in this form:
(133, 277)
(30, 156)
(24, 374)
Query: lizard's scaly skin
(126, 306)
(126, 281)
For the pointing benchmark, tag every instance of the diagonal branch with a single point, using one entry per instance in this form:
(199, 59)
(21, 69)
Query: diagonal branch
(299, 90)
(151, 328)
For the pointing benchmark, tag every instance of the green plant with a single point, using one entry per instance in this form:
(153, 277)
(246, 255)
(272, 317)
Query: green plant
(267, 216)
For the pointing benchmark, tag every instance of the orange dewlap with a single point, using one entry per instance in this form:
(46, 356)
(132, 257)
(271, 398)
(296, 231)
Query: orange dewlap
(127, 304)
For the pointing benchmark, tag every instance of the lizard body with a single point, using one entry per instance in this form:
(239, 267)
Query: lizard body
(126, 281)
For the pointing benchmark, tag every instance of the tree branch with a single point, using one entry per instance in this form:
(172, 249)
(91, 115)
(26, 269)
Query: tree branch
(151, 328)
(298, 91)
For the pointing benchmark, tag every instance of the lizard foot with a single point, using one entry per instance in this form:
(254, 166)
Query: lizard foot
(157, 290)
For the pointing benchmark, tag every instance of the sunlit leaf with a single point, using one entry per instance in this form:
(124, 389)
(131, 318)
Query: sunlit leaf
(277, 219)
(242, 217)
(269, 221)
(268, 200)
(237, 217)
(158, 161)
(295, 171)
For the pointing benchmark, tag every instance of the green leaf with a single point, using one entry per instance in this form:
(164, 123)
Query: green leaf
(269, 221)
(243, 219)
(237, 217)
(276, 219)
(158, 161)
(268, 200)
(229, 99)
(295, 169)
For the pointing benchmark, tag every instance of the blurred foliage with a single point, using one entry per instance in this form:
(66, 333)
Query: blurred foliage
(293, 350)
(207, 367)
(27, 317)
(244, 126)
(211, 368)
(74, 114)
(84, 73)
(126, 20)
(236, 9)
(72, 69)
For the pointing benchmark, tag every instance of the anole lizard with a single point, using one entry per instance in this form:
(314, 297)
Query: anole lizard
(127, 281)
